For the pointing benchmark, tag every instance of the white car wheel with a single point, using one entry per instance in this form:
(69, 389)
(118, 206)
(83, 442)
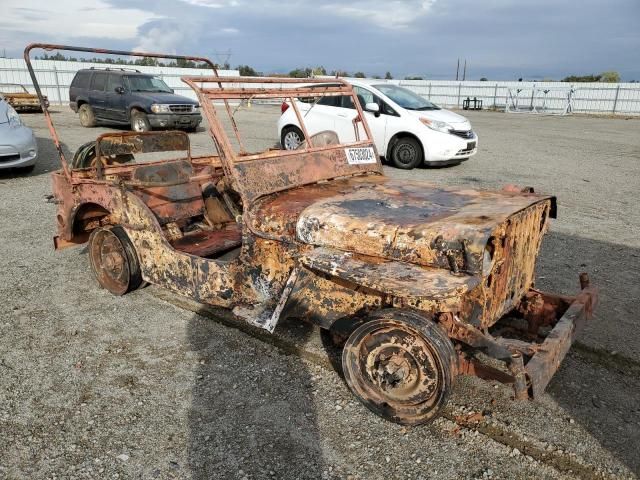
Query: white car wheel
(291, 139)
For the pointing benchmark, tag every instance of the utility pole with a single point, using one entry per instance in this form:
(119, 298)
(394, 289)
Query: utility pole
(464, 74)
(458, 69)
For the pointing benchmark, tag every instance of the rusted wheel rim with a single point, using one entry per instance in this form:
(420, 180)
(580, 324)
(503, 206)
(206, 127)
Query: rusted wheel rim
(393, 369)
(109, 262)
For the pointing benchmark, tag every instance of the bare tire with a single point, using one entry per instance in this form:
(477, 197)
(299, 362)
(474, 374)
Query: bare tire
(139, 122)
(401, 366)
(114, 261)
(25, 170)
(291, 138)
(406, 153)
(87, 117)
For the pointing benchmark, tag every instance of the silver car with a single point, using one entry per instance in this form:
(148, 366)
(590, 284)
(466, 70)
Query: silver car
(18, 147)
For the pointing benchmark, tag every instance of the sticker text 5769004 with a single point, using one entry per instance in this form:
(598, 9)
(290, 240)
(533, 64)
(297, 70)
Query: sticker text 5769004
(360, 155)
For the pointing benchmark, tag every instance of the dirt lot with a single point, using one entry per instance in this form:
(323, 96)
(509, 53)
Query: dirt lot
(153, 386)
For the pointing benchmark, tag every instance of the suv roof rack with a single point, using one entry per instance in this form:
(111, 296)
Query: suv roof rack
(115, 69)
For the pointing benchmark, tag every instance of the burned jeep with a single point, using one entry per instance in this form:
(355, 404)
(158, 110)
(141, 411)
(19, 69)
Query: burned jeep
(421, 282)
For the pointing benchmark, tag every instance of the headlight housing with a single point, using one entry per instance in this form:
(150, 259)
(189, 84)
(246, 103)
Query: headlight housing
(13, 117)
(437, 125)
(160, 108)
(195, 109)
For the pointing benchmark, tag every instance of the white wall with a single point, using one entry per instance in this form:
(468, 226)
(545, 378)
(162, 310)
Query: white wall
(599, 98)
(55, 76)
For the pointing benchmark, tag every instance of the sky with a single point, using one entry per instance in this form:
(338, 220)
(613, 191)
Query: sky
(500, 39)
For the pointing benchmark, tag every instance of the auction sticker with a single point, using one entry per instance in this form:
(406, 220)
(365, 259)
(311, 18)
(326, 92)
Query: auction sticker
(360, 155)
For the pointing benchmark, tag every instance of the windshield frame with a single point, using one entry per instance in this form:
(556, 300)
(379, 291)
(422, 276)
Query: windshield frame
(427, 105)
(256, 175)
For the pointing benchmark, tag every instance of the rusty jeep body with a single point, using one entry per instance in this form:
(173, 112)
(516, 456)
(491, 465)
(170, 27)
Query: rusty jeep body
(419, 283)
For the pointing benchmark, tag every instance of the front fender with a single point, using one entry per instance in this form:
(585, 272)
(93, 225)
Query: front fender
(333, 284)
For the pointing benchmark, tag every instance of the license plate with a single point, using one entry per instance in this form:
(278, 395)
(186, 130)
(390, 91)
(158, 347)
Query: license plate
(471, 145)
(360, 155)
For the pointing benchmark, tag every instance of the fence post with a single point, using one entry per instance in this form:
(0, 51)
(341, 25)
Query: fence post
(459, 90)
(615, 100)
(495, 97)
(429, 90)
(55, 75)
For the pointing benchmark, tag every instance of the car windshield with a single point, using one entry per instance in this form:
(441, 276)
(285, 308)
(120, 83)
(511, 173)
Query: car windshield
(406, 98)
(142, 83)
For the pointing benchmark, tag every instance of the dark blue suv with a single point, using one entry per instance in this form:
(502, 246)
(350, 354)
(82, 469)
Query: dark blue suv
(130, 97)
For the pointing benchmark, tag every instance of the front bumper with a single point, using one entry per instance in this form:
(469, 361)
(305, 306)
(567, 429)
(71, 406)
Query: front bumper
(537, 348)
(448, 149)
(19, 150)
(172, 120)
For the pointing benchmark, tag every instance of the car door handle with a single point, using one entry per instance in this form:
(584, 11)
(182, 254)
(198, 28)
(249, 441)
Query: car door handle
(342, 115)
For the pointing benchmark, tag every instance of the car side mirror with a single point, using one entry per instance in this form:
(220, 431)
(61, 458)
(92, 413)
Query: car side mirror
(373, 108)
(172, 90)
(119, 89)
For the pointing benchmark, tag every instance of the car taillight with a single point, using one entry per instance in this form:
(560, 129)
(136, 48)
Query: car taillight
(284, 107)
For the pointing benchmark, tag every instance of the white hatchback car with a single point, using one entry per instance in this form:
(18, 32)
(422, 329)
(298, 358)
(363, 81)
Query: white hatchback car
(407, 129)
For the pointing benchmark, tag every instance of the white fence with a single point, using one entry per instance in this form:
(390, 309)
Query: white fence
(597, 98)
(55, 76)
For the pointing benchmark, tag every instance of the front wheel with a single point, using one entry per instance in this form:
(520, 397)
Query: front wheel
(291, 138)
(406, 153)
(87, 117)
(139, 121)
(401, 366)
(113, 260)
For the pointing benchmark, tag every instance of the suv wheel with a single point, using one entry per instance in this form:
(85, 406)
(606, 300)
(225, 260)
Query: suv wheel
(406, 153)
(291, 138)
(139, 121)
(87, 117)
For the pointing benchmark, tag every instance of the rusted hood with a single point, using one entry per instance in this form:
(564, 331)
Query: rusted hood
(412, 222)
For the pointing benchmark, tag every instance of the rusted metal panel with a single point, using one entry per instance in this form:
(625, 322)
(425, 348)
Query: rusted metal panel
(121, 143)
(393, 278)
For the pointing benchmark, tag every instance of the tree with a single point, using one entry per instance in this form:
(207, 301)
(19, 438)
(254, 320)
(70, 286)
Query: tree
(339, 73)
(413, 78)
(388, 76)
(610, 77)
(360, 75)
(226, 66)
(582, 78)
(319, 71)
(484, 79)
(247, 71)
(300, 73)
(377, 77)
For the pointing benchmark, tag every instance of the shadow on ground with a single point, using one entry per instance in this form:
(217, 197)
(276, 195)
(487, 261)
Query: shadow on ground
(252, 414)
(603, 396)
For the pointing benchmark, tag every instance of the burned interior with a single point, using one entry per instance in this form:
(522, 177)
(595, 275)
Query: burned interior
(419, 283)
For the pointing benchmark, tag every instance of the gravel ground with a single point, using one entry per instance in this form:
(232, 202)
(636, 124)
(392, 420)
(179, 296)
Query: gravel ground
(154, 386)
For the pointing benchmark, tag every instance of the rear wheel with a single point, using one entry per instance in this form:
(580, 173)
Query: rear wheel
(87, 117)
(139, 121)
(291, 137)
(114, 261)
(401, 366)
(406, 153)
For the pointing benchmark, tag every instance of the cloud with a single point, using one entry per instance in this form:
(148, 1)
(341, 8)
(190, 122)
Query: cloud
(212, 3)
(69, 19)
(386, 14)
